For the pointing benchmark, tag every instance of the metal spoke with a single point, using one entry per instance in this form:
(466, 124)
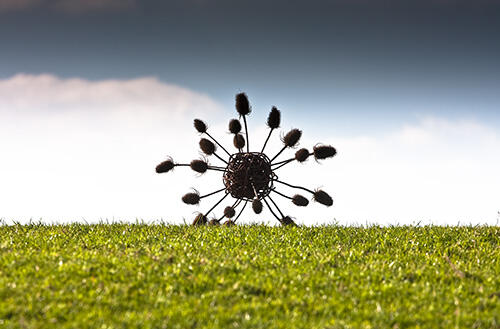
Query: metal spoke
(294, 186)
(272, 212)
(209, 194)
(246, 133)
(285, 196)
(281, 151)
(208, 212)
(246, 201)
(274, 203)
(216, 142)
(267, 139)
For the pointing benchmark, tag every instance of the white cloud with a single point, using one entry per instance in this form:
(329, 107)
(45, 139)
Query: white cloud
(73, 149)
(73, 6)
(30, 93)
(436, 171)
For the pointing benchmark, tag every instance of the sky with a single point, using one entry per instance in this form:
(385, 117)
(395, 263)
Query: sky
(94, 94)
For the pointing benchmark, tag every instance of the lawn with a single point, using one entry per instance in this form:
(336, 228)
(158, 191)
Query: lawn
(165, 276)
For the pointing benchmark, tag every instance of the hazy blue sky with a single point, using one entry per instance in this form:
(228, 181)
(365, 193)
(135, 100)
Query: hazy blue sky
(356, 69)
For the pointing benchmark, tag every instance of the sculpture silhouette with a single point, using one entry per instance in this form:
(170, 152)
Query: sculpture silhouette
(250, 176)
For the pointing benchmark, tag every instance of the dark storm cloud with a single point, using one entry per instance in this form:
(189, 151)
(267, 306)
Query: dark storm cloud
(93, 5)
(417, 54)
(68, 6)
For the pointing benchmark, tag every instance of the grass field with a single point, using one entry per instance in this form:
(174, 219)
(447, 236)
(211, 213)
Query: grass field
(161, 276)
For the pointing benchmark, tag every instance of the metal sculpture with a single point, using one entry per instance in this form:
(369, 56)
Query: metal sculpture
(250, 176)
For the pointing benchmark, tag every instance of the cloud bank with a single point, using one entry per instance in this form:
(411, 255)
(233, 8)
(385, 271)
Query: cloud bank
(435, 171)
(76, 149)
(73, 148)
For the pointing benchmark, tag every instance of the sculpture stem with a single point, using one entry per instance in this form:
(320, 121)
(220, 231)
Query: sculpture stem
(216, 142)
(246, 201)
(285, 196)
(284, 147)
(284, 163)
(209, 194)
(294, 186)
(246, 133)
(272, 212)
(221, 159)
(217, 204)
(274, 203)
(265, 143)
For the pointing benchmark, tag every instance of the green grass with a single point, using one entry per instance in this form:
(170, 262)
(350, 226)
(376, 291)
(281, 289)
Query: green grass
(161, 276)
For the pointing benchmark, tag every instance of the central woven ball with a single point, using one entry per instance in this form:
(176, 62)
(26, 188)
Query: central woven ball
(248, 175)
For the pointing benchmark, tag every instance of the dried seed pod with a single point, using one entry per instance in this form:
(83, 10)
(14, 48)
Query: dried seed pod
(257, 206)
(274, 118)
(323, 198)
(299, 200)
(229, 212)
(207, 146)
(199, 220)
(324, 151)
(239, 141)
(165, 166)
(234, 126)
(287, 221)
(199, 166)
(292, 137)
(242, 104)
(200, 126)
(213, 222)
(191, 198)
(302, 155)
(229, 223)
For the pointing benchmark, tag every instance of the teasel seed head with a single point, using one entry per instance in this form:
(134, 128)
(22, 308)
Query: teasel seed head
(191, 198)
(213, 222)
(324, 151)
(229, 223)
(199, 220)
(274, 118)
(165, 166)
(257, 205)
(207, 146)
(234, 126)
(302, 155)
(239, 141)
(242, 104)
(199, 166)
(323, 198)
(292, 138)
(229, 212)
(200, 126)
(287, 221)
(299, 200)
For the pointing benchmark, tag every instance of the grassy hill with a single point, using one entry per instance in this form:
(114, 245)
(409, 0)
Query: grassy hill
(161, 276)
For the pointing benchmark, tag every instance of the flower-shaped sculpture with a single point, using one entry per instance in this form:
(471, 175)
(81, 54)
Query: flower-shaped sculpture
(250, 176)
